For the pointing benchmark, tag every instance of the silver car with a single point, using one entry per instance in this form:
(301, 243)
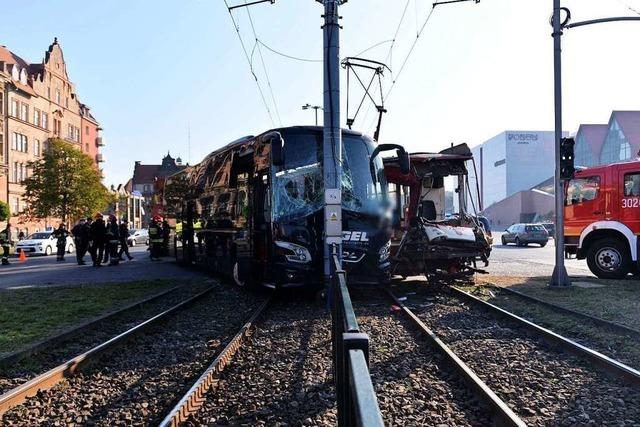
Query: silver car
(523, 234)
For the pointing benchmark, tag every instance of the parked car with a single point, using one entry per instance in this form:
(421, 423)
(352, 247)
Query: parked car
(42, 243)
(138, 237)
(550, 227)
(523, 234)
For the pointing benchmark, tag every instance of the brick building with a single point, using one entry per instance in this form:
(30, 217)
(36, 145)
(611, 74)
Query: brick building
(38, 101)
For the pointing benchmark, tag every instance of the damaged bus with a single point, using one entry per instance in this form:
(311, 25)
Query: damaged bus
(425, 240)
(254, 209)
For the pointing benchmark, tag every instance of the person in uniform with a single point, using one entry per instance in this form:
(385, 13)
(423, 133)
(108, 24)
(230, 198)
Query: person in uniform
(97, 233)
(80, 233)
(113, 238)
(124, 245)
(5, 242)
(61, 234)
(155, 238)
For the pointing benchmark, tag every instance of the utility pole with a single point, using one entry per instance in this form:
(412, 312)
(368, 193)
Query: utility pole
(308, 106)
(332, 136)
(560, 278)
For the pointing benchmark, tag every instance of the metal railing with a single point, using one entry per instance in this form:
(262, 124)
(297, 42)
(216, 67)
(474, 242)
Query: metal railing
(357, 402)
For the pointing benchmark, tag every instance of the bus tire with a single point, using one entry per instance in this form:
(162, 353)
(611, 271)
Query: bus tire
(609, 259)
(240, 273)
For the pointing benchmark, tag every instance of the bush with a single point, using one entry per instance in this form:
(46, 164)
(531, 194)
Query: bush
(4, 211)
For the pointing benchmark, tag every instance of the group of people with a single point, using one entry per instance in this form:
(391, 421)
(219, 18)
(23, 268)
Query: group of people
(106, 242)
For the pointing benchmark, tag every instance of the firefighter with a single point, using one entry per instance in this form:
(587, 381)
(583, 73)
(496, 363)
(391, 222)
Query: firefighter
(124, 245)
(155, 238)
(166, 234)
(61, 235)
(113, 238)
(5, 242)
(80, 234)
(97, 232)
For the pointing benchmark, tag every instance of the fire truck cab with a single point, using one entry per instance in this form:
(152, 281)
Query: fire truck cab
(602, 218)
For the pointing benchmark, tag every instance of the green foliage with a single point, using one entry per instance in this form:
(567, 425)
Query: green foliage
(64, 184)
(4, 211)
(176, 190)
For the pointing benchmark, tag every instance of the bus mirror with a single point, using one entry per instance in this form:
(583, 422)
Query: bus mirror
(403, 156)
(277, 152)
(403, 160)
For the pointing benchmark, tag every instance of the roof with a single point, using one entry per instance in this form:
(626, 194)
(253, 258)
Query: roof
(145, 173)
(11, 58)
(594, 136)
(629, 121)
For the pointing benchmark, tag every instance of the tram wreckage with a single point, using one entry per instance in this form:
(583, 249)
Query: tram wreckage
(425, 241)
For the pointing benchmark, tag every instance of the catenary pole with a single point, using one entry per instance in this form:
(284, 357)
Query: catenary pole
(559, 278)
(332, 138)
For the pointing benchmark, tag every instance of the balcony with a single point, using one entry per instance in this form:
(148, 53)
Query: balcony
(100, 158)
(100, 141)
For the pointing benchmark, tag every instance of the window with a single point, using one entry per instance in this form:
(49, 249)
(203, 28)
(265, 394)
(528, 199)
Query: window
(15, 173)
(45, 120)
(14, 108)
(19, 142)
(582, 190)
(583, 154)
(86, 130)
(49, 90)
(36, 117)
(632, 184)
(2, 104)
(500, 163)
(70, 132)
(616, 146)
(36, 147)
(58, 96)
(66, 102)
(24, 112)
(15, 205)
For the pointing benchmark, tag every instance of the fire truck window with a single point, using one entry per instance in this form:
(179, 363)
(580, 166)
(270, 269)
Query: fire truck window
(632, 185)
(582, 190)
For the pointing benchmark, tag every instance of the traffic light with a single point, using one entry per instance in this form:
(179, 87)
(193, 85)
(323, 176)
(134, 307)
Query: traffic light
(567, 169)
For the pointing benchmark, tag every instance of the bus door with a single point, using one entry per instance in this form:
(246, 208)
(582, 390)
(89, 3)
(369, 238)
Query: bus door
(261, 225)
(236, 232)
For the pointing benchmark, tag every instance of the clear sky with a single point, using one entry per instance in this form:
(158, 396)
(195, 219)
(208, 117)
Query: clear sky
(149, 69)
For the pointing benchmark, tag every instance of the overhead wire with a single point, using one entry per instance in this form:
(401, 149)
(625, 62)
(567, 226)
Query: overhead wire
(264, 66)
(629, 7)
(295, 58)
(249, 61)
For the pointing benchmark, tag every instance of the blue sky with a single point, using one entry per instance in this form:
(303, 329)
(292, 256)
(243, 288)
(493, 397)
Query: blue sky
(149, 69)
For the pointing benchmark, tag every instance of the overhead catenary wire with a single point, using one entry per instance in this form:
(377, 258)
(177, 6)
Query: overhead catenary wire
(248, 58)
(295, 58)
(264, 66)
(629, 7)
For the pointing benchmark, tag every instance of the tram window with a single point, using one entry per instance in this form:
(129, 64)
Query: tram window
(632, 185)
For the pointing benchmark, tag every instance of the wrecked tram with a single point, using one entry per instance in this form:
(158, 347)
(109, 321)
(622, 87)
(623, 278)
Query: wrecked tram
(254, 209)
(425, 240)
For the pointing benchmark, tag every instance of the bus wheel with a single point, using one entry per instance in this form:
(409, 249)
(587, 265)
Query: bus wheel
(237, 276)
(609, 259)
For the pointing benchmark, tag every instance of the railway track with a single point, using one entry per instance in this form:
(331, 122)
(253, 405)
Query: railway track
(542, 384)
(276, 371)
(155, 361)
(29, 363)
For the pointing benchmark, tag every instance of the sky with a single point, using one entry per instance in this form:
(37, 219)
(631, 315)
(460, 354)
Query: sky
(153, 70)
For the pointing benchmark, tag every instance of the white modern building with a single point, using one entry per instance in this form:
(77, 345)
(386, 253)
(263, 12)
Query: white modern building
(510, 162)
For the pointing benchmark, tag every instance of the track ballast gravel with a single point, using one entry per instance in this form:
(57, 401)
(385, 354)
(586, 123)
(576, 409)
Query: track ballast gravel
(52, 356)
(541, 384)
(415, 385)
(282, 375)
(139, 382)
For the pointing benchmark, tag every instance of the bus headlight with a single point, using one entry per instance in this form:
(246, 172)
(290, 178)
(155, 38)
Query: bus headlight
(294, 253)
(384, 252)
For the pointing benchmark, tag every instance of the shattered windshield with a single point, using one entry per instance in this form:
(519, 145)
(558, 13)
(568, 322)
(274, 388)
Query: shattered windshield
(298, 184)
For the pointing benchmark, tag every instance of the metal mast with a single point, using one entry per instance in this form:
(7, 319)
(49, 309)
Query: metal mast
(332, 137)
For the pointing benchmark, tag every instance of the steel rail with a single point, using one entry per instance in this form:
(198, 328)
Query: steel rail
(19, 355)
(500, 409)
(614, 326)
(50, 378)
(193, 400)
(608, 364)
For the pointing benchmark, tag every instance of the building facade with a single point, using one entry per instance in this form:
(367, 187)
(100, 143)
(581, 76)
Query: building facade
(39, 102)
(145, 181)
(510, 162)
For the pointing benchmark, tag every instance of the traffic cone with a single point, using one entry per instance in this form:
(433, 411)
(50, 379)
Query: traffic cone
(22, 257)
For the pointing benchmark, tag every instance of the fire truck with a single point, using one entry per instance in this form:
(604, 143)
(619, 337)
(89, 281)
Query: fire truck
(602, 225)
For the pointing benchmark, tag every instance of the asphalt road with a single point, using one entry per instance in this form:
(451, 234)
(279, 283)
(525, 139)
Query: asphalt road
(46, 271)
(529, 261)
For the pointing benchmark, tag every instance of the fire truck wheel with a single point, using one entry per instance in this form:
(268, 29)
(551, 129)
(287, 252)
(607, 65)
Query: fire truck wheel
(609, 259)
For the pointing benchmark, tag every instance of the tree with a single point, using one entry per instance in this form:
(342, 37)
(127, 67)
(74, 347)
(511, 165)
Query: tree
(64, 184)
(176, 190)
(4, 211)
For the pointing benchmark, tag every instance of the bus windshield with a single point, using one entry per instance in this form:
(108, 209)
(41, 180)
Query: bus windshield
(298, 184)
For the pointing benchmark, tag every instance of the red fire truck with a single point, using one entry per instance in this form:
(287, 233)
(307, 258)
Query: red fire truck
(602, 209)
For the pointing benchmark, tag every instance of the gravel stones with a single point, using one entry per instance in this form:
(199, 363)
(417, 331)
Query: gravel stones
(414, 385)
(282, 376)
(138, 383)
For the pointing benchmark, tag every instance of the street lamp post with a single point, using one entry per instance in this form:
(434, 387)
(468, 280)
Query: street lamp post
(560, 278)
(315, 107)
